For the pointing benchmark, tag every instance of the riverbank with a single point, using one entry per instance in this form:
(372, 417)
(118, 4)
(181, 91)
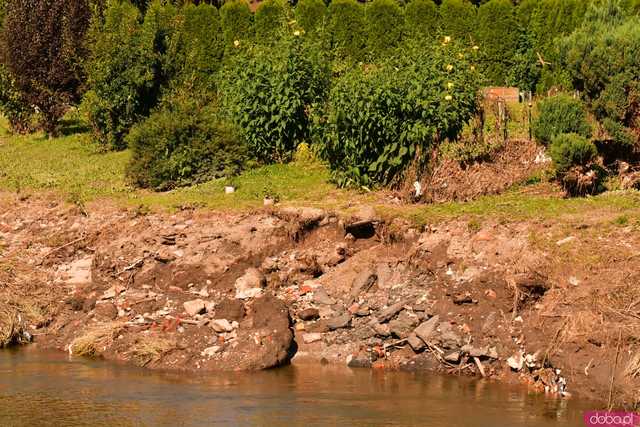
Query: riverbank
(551, 301)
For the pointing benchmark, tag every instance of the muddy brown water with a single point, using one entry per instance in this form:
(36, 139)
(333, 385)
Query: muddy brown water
(50, 389)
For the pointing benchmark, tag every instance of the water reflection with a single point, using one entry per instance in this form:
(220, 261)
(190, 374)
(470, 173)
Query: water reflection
(38, 388)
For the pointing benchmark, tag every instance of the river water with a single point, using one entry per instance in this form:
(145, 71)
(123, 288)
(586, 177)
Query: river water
(50, 389)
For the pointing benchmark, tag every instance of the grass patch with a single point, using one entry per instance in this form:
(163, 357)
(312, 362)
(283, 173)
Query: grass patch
(75, 169)
(96, 341)
(149, 349)
(10, 327)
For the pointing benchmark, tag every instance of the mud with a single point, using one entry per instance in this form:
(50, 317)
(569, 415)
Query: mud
(553, 305)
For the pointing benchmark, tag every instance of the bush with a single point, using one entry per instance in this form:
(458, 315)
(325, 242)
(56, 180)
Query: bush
(421, 19)
(182, 144)
(458, 18)
(497, 37)
(197, 46)
(270, 92)
(311, 15)
(237, 24)
(384, 26)
(560, 114)
(347, 28)
(569, 149)
(123, 74)
(43, 47)
(380, 119)
(12, 105)
(270, 21)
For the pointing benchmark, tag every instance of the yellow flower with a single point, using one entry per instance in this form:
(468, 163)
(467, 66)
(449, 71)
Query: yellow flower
(449, 67)
(296, 33)
(447, 39)
(236, 43)
(460, 56)
(475, 47)
(450, 85)
(448, 97)
(473, 68)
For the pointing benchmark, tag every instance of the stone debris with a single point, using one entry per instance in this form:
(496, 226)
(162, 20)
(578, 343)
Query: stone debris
(193, 307)
(311, 337)
(250, 284)
(427, 329)
(222, 325)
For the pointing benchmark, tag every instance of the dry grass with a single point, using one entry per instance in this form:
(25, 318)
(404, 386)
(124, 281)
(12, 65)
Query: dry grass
(96, 341)
(633, 368)
(11, 331)
(149, 349)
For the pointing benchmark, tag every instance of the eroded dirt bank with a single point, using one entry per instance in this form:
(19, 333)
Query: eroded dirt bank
(553, 304)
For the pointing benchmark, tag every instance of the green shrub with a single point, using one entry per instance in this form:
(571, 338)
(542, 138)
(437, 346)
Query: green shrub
(197, 46)
(237, 24)
(347, 29)
(498, 39)
(384, 26)
(270, 21)
(311, 15)
(182, 144)
(458, 19)
(43, 45)
(125, 70)
(380, 119)
(270, 92)
(569, 149)
(421, 19)
(560, 114)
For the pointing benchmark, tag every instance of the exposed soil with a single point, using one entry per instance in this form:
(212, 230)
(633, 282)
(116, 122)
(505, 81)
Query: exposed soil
(552, 304)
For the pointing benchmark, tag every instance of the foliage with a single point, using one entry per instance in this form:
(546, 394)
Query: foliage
(458, 19)
(347, 29)
(311, 15)
(603, 60)
(196, 46)
(43, 43)
(237, 24)
(384, 27)
(270, 92)
(270, 21)
(121, 73)
(560, 114)
(570, 149)
(380, 119)
(181, 144)
(12, 104)
(497, 37)
(421, 19)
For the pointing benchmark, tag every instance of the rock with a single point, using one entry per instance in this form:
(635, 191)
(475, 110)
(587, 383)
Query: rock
(416, 343)
(309, 314)
(211, 351)
(106, 311)
(516, 362)
(79, 272)
(363, 311)
(231, 309)
(403, 325)
(193, 307)
(448, 337)
(462, 299)
(89, 304)
(358, 361)
(565, 240)
(363, 282)
(339, 322)
(113, 292)
(250, 284)
(320, 296)
(382, 330)
(478, 351)
(388, 313)
(311, 337)
(427, 329)
(221, 325)
(453, 357)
